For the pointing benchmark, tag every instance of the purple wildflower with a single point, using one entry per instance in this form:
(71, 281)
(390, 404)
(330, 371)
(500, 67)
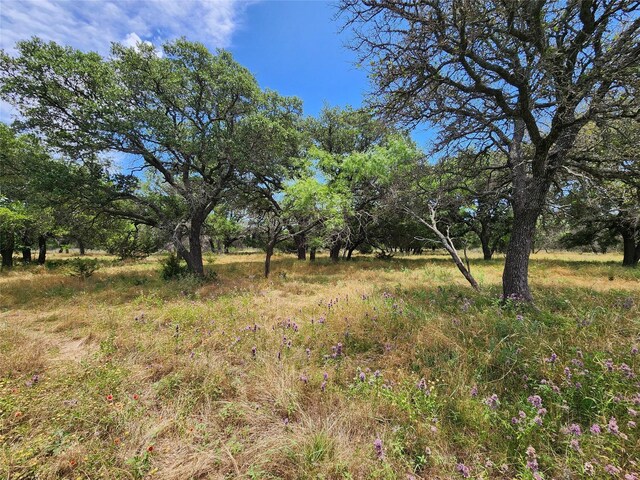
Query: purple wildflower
(552, 358)
(574, 429)
(589, 469)
(377, 446)
(595, 429)
(626, 369)
(253, 351)
(611, 470)
(474, 391)
(464, 470)
(612, 426)
(362, 377)
(609, 364)
(535, 400)
(492, 402)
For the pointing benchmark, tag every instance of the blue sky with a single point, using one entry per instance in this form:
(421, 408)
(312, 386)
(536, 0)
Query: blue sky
(291, 46)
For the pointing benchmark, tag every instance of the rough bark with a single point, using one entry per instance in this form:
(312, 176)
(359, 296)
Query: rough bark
(193, 256)
(42, 249)
(528, 202)
(515, 277)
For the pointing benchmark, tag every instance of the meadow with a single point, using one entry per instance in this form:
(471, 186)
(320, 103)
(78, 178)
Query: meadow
(371, 368)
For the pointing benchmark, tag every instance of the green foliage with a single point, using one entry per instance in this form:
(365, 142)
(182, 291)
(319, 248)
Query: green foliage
(173, 267)
(132, 241)
(82, 267)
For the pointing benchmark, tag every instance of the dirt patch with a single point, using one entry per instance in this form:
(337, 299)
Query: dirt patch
(73, 350)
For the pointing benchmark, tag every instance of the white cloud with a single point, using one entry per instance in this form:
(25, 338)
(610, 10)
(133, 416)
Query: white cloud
(132, 40)
(94, 24)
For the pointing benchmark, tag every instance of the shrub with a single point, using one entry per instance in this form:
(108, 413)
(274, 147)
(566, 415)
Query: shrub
(173, 267)
(82, 267)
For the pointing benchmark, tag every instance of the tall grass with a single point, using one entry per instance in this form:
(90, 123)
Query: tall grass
(363, 369)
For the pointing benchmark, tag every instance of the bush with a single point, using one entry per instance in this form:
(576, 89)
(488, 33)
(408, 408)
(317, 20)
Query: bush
(173, 267)
(134, 242)
(82, 267)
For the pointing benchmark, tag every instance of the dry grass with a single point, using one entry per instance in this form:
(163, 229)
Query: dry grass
(124, 375)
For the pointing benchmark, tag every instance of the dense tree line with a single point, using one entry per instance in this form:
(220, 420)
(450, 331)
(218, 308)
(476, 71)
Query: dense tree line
(538, 114)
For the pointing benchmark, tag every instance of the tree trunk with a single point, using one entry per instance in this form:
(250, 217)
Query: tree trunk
(631, 251)
(350, 253)
(7, 257)
(7, 250)
(515, 277)
(487, 252)
(267, 260)
(81, 247)
(312, 254)
(301, 245)
(334, 251)
(26, 255)
(448, 245)
(193, 256)
(42, 249)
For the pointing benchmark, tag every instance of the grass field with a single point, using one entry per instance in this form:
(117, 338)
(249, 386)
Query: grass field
(362, 369)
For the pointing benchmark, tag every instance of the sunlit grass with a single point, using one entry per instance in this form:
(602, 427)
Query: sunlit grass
(124, 375)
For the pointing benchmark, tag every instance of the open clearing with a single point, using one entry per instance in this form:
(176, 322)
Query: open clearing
(318, 372)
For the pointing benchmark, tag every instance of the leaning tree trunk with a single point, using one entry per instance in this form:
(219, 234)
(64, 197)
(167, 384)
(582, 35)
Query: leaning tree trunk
(42, 249)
